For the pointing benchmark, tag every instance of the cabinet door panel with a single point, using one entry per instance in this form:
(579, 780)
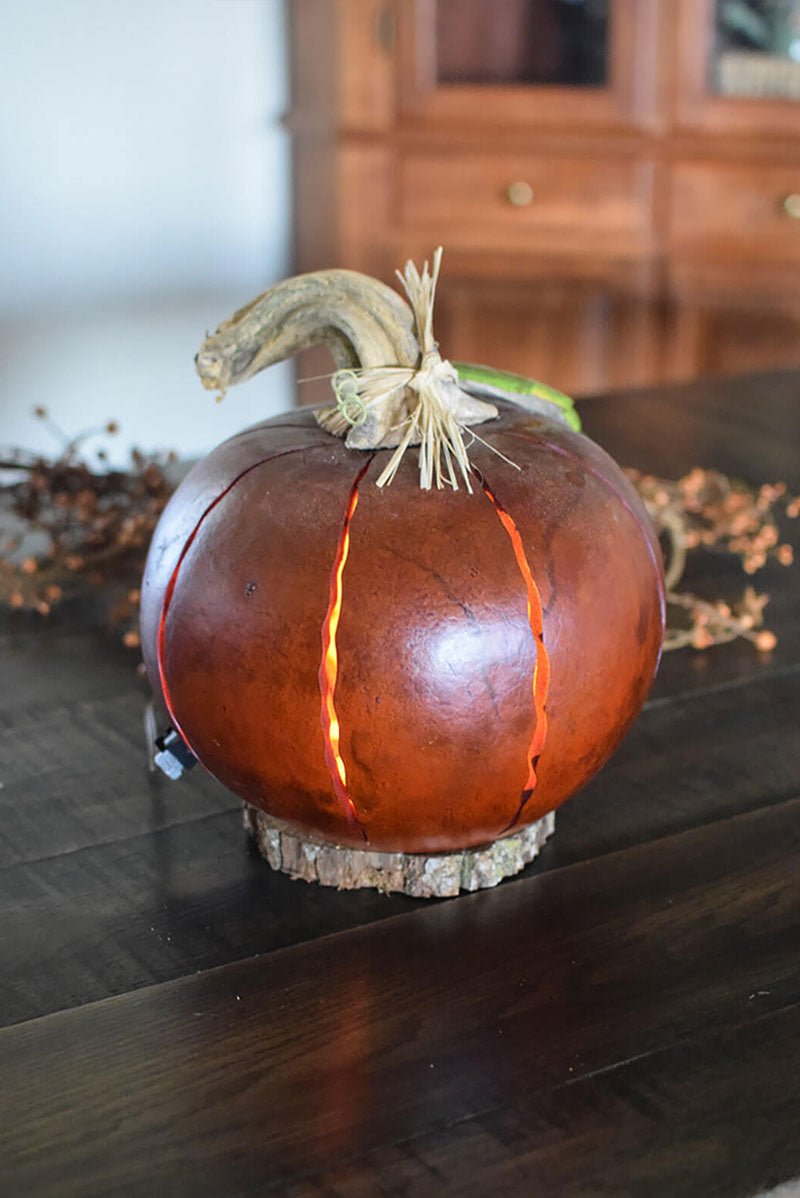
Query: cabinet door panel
(578, 337)
(707, 339)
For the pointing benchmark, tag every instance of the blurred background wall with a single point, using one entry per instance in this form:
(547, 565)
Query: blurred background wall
(145, 195)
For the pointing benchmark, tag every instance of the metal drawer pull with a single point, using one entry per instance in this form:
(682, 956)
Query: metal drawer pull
(520, 194)
(791, 205)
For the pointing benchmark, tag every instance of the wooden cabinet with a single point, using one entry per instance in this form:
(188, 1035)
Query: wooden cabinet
(616, 182)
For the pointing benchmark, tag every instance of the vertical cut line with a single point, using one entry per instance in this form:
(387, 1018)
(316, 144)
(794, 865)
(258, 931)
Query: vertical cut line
(329, 665)
(161, 639)
(541, 672)
(607, 483)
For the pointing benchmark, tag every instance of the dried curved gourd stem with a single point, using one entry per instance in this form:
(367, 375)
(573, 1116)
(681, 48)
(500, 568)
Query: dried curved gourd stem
(363, 323)
(392, 387)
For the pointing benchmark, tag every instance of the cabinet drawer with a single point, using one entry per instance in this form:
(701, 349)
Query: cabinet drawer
(736, 211)
(509, 200)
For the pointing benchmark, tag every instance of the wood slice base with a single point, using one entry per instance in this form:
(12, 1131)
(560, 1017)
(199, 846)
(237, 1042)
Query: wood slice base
(438, 875)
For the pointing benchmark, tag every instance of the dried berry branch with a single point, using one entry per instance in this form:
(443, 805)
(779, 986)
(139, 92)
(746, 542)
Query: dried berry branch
(706, 509)
(66, 527)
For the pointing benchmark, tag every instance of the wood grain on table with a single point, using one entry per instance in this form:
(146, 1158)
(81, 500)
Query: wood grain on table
(623, 1018)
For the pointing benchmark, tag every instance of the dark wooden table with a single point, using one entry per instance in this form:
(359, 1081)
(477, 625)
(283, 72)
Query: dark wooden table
(624, 1018)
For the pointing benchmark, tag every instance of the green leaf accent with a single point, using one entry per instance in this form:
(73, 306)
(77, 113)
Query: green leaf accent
(517, 384)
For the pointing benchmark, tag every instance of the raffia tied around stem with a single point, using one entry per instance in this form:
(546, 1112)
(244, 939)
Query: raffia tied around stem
(397, 406)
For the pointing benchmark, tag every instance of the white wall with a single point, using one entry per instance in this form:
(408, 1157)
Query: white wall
(145, 194)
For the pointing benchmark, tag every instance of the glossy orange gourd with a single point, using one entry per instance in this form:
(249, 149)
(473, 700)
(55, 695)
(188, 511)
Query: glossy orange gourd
(400, 668)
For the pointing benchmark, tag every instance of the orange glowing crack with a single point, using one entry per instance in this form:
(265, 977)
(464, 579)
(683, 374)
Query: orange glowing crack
(329, 666)
(541, 672)
(609, 485)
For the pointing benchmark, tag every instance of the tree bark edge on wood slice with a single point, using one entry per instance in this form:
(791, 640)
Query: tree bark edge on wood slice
(421, 875)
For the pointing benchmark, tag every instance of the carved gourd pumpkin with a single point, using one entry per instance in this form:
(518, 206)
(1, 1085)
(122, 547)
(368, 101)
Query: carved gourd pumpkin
(400, 667)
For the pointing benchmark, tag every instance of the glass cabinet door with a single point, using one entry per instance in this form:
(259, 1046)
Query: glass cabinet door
(550, 43)
(755, 50)
(534, 62)
(739, 65)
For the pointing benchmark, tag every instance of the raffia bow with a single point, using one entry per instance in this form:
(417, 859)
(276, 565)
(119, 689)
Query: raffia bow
(397, 406)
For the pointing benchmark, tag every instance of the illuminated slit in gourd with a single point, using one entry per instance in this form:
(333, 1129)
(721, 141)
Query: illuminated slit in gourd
(607, 483)
(541, 672)
(329, 666)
